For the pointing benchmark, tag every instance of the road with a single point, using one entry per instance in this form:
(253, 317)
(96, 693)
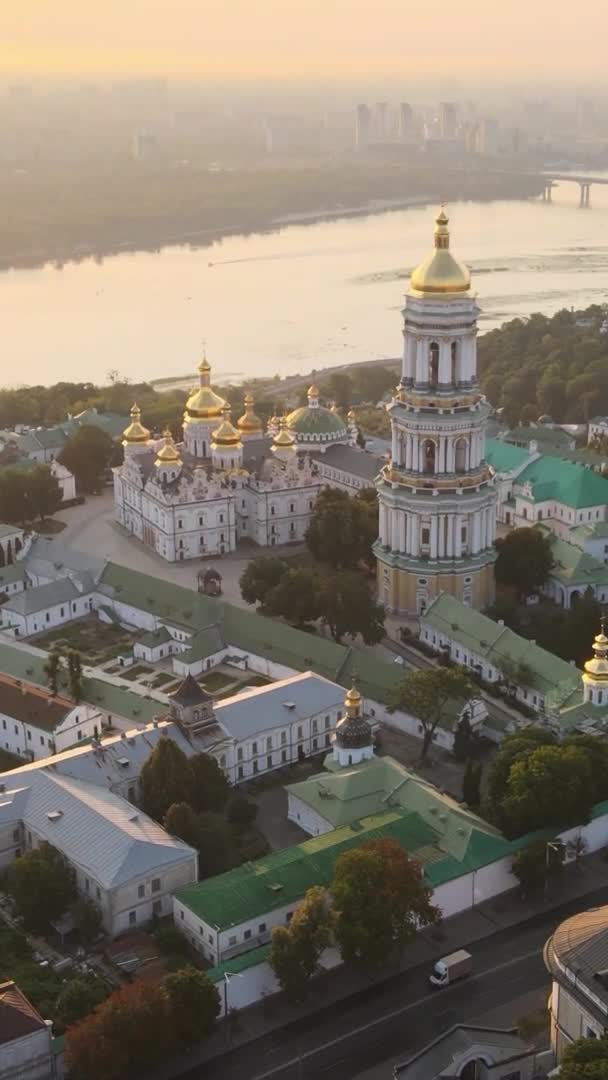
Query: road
(395, 1018)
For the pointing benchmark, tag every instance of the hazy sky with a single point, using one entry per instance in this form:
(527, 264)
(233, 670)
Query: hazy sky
(294, 38)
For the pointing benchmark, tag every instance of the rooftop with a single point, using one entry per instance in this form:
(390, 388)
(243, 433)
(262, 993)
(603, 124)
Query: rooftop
(503, 457)
(18, 1017)
(552, 478)
(574, 566)
(352, 460)
(446, 1056)
(30, 601)
(580, 944)
(282, 878)
(32, 705)
(265, 707)
(500, 645)
(9, 530)
(95, 829)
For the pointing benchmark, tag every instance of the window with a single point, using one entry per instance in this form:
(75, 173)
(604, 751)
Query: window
(315, 744)
(247, 935)
(42, 740)
(240, 772)
(180, 523)
(239, 753)
(272, 511)
(262, 928)
(141, 891)
(292, 507)
(29, 736)
(62, 612)
(269, 761)
(269, 743)
(327, 740)
(255, 766)
(426, 536)
(133, 918)
(221, 519)
(16, 836)
(283, 756)
(315, 725)
(254, 748)
(157, 907)
(232, 940)
(98, 892)
(327, 722)
(283, 738)
(156, 884)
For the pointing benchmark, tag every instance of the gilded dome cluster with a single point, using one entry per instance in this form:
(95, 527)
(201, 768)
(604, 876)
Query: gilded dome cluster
(135, 433)
(313, 422)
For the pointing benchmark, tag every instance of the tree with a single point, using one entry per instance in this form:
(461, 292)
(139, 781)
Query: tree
(471, 784)
(182, 821)
(195, 1004)
(513, 748)
(52, 668)
(128, 1035)
(530, 801)
(466, 741)
(42, 886)
(296, 597)
(297, 948)
(585, 1059)
(342, 529)
(216, 845)
(77, 998)
(210, 788)
(241, 812)
(259, 577)
(380, 900)
(535, 864)
(43, 492)
(525, 560)
(87, 454)
(74, 674)
(87, 917)
(13, 497)
(576, 849)
(166, 778)
(348, 608)
(429, 695)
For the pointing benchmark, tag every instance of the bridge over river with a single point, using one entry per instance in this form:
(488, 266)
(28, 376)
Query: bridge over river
(553, 179)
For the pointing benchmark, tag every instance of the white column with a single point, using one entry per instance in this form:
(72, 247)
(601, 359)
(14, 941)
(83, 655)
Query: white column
(451, 520)
(408, 451)
(395, 446)
(421, 361)
(458, 523)
(476, 533)
(415, 534)
(444, 362)
(442, 532)
(434, 530)
(382, 524)
(483, 524)
(407, 526)
(401, 530)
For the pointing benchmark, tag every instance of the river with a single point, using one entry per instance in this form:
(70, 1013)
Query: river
(305, 296)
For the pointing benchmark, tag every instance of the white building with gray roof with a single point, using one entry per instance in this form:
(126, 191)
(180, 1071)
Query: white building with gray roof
(127, 864)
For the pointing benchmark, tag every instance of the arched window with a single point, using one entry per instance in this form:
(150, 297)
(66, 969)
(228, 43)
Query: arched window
(433, 364)
(429, 450)
(460, 456)
(454, 358)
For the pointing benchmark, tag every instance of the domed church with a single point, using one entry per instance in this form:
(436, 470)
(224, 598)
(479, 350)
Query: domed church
(227, 481)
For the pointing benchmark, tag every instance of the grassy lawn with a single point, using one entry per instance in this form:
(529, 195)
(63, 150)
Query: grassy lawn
(96, 640)
(9, 761)
(162, 679)
(257, 680)
(133, 673)
(215, 680)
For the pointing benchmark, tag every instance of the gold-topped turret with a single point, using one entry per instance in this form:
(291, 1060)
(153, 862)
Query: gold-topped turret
(284, 438)
(135, 432)
(596, 670)
(249, 423)
(204, 403)
(441, 273)
(167, 454)
(226, 434)
(352, 701)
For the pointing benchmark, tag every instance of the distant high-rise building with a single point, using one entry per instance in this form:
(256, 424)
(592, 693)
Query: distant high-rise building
(585, 115)
(406, 118)
(381, 120)
(144, 145)
(363, 128)
(487, 137)
(448, 118)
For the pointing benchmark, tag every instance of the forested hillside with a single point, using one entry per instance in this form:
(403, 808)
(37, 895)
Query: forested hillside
(556, 366)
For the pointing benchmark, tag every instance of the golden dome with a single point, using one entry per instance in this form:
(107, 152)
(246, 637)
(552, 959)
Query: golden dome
(135, 432)
(597, 669)
(441, 272)
(204, 403)
(167, 454)
(284, 438)
(249, 422)
(313, 391)
(226, 434)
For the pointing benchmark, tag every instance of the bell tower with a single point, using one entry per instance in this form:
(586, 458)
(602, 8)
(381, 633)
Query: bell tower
(437, 496)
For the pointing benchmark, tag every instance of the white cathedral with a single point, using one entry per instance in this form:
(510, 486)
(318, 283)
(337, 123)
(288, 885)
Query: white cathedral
(225, 482)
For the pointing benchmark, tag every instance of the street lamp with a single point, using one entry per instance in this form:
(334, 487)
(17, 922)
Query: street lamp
(557, 847)
(228, 975)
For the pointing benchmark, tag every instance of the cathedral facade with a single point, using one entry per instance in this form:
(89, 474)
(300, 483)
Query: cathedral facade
(227, 482)
(437, 496)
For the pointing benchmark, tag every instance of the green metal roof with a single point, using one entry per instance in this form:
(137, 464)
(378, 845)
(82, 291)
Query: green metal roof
(239, 963)
(573, 566)
(283, 877)
(591, 531)
(319, 421)
(486, 638)
(503, 457)
(152, 638)
(573, 485)
(10, 574)
(115, 700)
(546, 437)
(250, 631)
(9, 530)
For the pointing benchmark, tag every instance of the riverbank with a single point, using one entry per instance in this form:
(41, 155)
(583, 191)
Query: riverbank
(66, 218)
